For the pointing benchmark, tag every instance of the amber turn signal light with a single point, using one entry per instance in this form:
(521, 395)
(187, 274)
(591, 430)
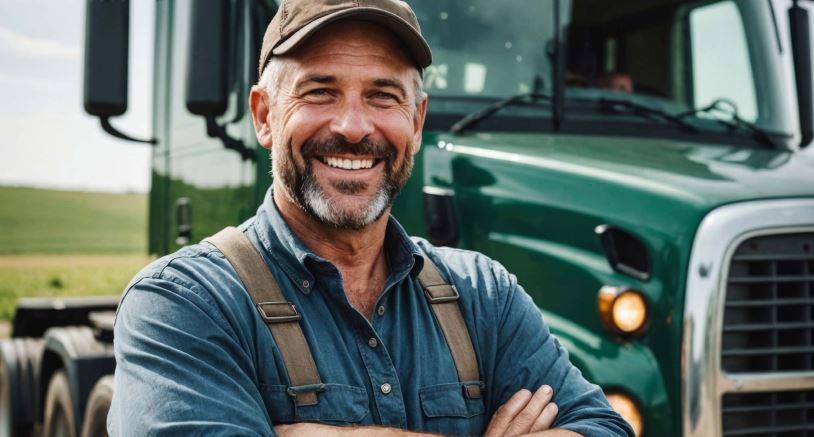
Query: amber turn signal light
(622, 310)
(626, 408)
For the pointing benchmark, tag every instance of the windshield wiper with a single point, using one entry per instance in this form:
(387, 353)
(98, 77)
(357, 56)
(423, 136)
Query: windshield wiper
(630, 107)
(476, 117)
(734, 122)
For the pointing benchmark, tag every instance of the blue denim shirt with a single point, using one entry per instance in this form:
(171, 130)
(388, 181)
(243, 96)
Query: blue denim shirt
(194, 357)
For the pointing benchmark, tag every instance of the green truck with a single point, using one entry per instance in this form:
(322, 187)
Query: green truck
(637, 164)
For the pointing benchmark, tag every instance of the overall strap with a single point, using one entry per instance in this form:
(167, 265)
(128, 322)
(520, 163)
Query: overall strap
(280, 315)
(443, 299)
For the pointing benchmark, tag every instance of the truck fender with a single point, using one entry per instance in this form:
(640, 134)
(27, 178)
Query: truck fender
(85, 360)
(615, 365)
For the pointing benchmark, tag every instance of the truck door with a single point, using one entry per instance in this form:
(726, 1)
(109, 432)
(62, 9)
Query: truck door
(205, 186)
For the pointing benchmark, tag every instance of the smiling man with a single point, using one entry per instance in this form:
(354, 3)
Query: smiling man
(397, 337)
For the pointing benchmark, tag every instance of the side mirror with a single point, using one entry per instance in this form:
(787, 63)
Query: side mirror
(799, 28)
(106, 45)
(107, 27)
(207, 87)
(207, 92)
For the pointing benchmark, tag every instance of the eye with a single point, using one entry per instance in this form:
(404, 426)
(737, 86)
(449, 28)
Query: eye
(385, 95)
(317, 92)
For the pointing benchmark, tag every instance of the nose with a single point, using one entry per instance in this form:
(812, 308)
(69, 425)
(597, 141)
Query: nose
(352, 121)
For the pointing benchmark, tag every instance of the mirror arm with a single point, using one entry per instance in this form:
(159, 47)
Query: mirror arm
(214, 130)
(105, 120)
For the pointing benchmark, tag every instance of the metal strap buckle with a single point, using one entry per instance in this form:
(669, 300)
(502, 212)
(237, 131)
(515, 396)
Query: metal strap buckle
(442, 299)
(287, 316)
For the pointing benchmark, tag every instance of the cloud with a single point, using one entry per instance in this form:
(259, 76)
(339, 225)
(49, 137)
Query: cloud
(23, 45)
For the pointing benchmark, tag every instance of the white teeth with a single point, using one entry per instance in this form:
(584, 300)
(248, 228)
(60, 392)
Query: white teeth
(348, 164)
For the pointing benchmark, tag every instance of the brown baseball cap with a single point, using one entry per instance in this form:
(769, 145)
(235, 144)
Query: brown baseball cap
(296, 20)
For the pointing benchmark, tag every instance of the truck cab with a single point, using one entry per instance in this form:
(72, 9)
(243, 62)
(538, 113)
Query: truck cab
(638, 165)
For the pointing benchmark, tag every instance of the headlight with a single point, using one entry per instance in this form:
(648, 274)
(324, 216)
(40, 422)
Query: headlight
(626, 408)
(622, 310)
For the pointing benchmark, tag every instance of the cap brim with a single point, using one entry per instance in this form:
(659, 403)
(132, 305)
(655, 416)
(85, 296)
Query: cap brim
(418, 48)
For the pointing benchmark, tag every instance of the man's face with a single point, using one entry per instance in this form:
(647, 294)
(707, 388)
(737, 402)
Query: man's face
(344, 124)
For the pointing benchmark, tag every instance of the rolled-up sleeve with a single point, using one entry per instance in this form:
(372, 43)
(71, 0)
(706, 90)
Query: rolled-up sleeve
(180, 371)
(529, 356)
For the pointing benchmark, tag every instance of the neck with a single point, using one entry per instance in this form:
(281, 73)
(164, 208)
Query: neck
(359, 252)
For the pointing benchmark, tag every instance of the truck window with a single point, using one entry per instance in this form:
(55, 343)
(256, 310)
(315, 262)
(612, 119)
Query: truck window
(713, 48)
(485, 48)
(678, 57)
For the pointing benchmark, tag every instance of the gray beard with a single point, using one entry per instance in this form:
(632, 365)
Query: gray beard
(302, 186)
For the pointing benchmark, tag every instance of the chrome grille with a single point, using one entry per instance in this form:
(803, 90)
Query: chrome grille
(769, 311)
(771, 414)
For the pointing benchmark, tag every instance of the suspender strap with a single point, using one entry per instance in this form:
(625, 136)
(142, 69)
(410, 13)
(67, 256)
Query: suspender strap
(443, 299)
(280, 315)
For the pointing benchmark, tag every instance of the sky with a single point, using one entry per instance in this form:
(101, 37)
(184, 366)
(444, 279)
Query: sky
(46, 138)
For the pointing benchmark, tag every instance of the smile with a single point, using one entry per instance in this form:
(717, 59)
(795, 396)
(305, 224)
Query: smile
(348, 164)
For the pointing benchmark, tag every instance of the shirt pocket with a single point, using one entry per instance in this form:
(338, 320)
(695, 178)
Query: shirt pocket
(339, 404)
(448, 410)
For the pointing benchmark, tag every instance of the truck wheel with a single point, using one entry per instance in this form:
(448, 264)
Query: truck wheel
(19, 361)
(59, 409)
(95, 422)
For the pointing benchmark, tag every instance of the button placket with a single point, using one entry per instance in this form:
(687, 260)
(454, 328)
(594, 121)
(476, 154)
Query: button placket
(384, 380)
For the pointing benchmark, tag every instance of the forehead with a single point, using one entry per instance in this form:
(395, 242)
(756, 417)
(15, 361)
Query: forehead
(352, 47)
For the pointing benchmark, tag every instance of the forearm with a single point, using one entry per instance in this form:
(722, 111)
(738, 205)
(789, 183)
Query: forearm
(554, 433)
(312, 429)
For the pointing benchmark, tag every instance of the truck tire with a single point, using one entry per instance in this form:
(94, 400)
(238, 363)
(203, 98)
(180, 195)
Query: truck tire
(59, 418)
(19, 363)
(95, 422)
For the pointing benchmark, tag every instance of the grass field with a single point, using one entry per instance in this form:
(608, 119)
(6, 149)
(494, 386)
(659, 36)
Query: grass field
(63, 243)
(63, 275)
(50, 221)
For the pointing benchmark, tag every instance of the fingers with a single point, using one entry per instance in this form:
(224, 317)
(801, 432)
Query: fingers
(505, 414)
(546, 418)
(528, 416)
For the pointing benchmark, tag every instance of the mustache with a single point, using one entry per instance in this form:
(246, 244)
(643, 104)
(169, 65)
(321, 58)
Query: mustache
(338, 146)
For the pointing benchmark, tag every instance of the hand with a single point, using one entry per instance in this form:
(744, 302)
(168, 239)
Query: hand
(524, 413)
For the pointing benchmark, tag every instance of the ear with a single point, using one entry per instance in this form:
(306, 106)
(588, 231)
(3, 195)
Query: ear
(418, 124)
(259, 105)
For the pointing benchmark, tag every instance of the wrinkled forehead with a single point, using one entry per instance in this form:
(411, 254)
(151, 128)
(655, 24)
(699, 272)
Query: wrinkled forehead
(350, 44)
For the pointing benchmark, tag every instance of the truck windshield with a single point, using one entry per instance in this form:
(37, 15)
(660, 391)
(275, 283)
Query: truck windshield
(486, 49)
(673, 56)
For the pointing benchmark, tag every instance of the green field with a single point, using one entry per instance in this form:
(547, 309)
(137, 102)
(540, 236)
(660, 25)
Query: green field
(63, 275)
(65, 243)
(49, 222)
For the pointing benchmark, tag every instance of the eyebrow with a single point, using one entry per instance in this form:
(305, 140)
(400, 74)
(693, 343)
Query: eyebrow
(318, 78)
(327, 79)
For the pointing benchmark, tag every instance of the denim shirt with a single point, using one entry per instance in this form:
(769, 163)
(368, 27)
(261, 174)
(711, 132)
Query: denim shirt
(195, 358)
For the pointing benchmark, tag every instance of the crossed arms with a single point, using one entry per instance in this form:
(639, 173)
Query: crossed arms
(524, 414)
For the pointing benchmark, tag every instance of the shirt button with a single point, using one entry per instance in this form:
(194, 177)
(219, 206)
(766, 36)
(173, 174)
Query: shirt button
(372, 342)
(380, 311)
(305, 283)
(386, 388)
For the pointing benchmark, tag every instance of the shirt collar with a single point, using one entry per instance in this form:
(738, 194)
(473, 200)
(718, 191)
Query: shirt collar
(298, 261)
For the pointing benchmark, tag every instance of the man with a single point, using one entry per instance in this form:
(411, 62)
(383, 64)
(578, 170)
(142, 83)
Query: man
(341, 108)
(617, 81)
